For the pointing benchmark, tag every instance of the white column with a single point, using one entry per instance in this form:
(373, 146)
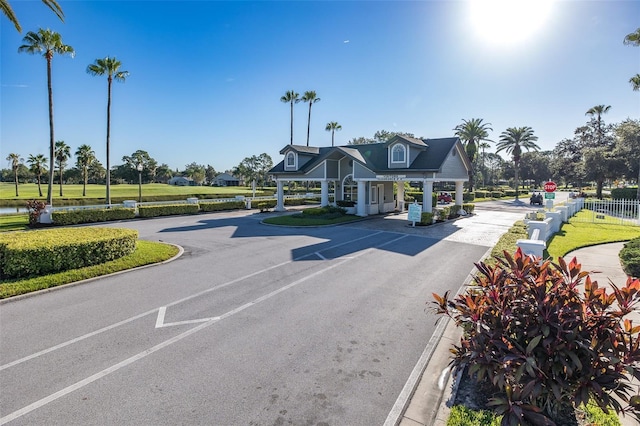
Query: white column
(324, 193)
(459, 197)
(400, 195)
(427, 200)
(362, 198)
(280, 194)
(459, 190)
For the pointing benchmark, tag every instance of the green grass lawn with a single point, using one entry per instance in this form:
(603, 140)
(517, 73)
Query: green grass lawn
(305, 220)
(14, 222)
(146, 253)
(577, 234)
(29, 191)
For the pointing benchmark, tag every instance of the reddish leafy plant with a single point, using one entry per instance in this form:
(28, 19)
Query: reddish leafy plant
(547, 337)
(35, 208)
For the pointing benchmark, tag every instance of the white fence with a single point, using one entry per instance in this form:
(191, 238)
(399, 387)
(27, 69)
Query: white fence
(615, 212)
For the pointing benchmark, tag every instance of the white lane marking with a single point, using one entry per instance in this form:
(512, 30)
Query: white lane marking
(320, 256)
(144, 314)
(46, 400)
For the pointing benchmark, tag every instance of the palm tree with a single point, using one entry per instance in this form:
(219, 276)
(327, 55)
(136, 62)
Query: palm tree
(512, 141)
(634, 40)
(332, 126)
(14, 161)
(598, 111)
(84, 158)
(110, 67)
(8, 11)
(635, 82)
(63, 152)
(483, 146)
(310, 97)
(47, 42)
(291, 97)
(471, 132)
(38, 164)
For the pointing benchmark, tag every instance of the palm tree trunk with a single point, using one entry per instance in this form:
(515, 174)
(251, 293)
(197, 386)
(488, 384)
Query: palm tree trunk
(516, 180)
(51, 141)
(309, 124)
(291, 122)
(333, 132)
(39, 188)
(108, 135)
(61, 179)
(15, 176)
(84, 183)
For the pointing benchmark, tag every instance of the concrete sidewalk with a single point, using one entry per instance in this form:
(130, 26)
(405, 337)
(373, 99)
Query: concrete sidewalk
(428, 404)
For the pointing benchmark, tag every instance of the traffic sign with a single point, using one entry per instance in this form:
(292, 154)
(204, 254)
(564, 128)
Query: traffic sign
(550, 196)
(550, 186)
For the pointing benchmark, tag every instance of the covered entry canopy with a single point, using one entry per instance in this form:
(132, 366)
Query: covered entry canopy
(365, 173)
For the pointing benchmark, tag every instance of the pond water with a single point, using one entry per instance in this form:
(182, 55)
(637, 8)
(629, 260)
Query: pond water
(13, 210)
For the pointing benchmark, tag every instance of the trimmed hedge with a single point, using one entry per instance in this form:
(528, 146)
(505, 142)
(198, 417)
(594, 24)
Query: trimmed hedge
(167, 210)
(219, 206)
(41, 252)
(468, 207)
(630, 258)
(624, 193)
(426, 218)
(411, 196)
(300, 201)
(265, 205)
(468, 196)
(323, 211)
(73, 217)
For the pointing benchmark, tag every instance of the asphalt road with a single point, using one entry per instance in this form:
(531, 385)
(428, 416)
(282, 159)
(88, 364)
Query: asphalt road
(253, 325)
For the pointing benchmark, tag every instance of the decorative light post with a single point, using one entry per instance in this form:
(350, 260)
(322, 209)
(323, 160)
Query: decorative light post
(139, 167)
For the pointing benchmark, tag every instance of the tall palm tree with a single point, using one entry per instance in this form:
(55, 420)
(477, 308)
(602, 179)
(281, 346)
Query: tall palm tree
(63, 152)
(8, 11)
(84, 158)
(48, 43)
(634, 40)
(483, 146)
(512, 141)
(291, 97)
(110, 67)
(332, 127)
(311, 97)
(471, 132)
(38, 165)
(15, 160)
(598, 111)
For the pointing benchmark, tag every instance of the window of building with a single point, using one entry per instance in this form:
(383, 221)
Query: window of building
(291, 159)
(349, 189)
(398, 154)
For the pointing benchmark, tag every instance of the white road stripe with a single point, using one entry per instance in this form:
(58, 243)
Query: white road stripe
(78, 385)
(144, 314)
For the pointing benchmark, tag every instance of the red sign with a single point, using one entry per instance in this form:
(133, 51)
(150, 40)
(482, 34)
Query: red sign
(550, 186)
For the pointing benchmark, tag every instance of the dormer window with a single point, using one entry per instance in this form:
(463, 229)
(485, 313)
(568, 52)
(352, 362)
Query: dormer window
(291, 160)
(398, 154)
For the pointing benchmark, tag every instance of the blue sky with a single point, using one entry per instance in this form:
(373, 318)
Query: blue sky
(206, 77)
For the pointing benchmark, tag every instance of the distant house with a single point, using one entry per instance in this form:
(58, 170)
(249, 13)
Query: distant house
(225, 179)
(181, 181)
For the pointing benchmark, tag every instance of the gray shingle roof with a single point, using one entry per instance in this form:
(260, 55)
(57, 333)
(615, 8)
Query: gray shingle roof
(374, 156)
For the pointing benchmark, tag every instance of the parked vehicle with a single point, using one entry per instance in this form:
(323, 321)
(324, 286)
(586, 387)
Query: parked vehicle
(444, 197)
(535, 199)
